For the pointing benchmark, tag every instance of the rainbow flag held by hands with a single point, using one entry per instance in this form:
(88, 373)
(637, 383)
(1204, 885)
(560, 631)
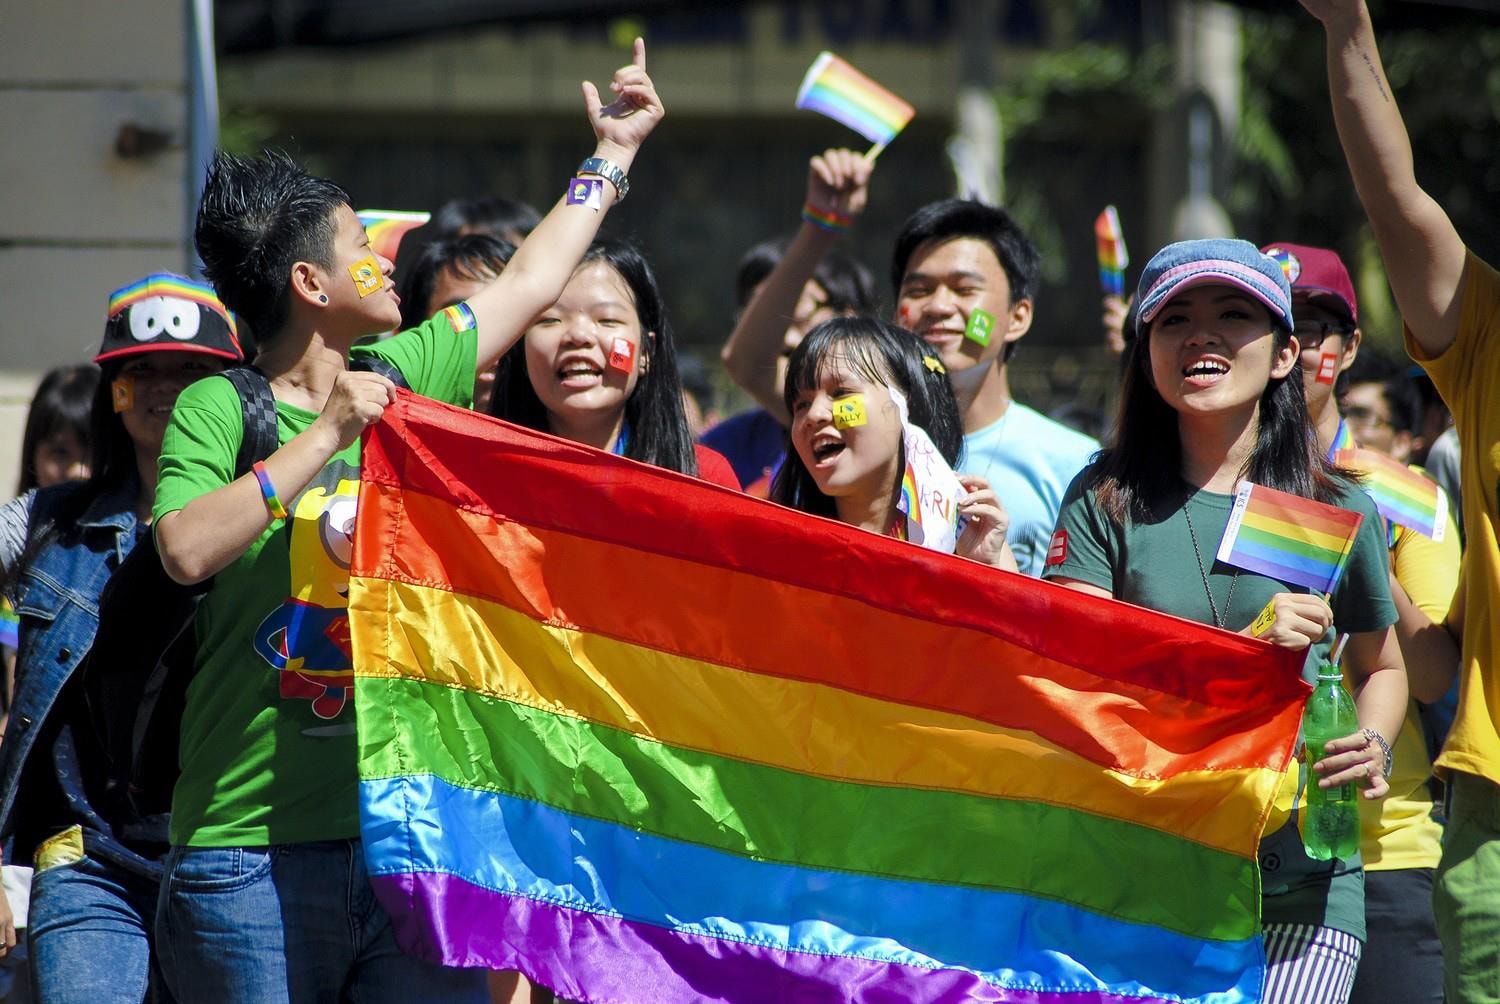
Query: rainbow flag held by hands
(834, 88)
(386, 227)
(1299, 541)
(639, 736)
(1109, 239)
(1401, 494)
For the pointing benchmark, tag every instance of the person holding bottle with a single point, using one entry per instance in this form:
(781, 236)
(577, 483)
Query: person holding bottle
(1213, 396)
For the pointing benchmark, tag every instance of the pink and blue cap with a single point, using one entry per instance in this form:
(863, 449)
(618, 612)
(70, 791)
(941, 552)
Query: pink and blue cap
(1218, 261)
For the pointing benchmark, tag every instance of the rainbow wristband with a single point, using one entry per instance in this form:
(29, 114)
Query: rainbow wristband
(268, 491)
(825, 219)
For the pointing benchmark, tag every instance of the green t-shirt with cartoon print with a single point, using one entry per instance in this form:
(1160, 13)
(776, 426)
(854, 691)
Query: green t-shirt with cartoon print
(1153, 564)
(268, 751)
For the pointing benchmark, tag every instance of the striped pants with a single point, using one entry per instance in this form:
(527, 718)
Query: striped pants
(1307, 964)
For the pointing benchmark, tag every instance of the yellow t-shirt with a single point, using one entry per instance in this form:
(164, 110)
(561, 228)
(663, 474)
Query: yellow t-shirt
(1468, 377)
(1398, 831)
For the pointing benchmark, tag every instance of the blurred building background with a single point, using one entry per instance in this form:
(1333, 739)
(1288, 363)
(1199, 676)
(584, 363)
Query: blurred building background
(1192, 117)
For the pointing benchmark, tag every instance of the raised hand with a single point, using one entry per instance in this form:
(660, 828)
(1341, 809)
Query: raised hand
(838, 182)
(627, 120)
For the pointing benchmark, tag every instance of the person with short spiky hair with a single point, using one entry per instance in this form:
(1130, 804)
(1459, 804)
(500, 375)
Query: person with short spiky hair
(265, 896)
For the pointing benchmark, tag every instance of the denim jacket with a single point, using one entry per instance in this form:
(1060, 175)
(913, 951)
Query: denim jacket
(57, 600)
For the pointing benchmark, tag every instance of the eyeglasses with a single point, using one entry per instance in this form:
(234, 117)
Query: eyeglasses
(1365, 418)
(1310, 334)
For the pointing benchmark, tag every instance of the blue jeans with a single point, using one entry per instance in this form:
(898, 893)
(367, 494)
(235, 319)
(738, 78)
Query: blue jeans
(288, 924)
(90, 933)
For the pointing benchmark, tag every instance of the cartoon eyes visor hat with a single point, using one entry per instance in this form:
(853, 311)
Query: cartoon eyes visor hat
(168, 313)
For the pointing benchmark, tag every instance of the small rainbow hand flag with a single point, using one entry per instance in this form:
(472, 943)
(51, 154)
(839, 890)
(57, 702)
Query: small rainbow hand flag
(1297, 540)
(1400, 493)
(834, 88)
(386, 227)
(1113, 257)
(10, 625)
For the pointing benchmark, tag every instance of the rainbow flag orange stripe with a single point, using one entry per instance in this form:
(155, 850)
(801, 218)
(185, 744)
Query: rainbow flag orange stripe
(1299, 541)
(386, 227)
(834, 88)
(735, 779)
(1109, 239)
(1401, 494)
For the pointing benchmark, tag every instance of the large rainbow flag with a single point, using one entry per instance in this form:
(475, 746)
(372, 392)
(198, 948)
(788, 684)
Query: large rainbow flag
(644, 738)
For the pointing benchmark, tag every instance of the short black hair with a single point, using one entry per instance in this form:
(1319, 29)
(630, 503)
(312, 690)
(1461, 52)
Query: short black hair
(62, 403)
(882, 353)
(658, 424)
(473, 256)
(259, 216)
(1402, 396)
(492, 215)
(849, 285)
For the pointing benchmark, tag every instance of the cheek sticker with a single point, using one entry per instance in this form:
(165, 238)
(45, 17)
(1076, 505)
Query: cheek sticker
(622, 355)
(904, 314)
(122, 393)
(981, 325)
(1328, 367)
(366, 276)
(849, 412)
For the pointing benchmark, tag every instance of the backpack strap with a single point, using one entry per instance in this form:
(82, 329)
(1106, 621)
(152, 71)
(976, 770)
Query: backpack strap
(258, 408)
(380, 367)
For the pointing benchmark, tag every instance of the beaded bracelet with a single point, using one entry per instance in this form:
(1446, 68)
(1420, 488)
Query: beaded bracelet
(826, 219)
(268, 491)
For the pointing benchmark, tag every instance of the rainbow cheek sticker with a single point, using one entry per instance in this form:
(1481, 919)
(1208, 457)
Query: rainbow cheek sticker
(622, 355)
(122, 393)
(981, 325)
(1328, 367)
(849, 412)
(366, 276)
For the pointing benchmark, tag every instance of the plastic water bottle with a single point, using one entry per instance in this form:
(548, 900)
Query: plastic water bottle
(1331, 827)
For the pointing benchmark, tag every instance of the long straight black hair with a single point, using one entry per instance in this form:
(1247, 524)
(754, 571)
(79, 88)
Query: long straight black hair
(111, 466)
(658, 425)
(1141, 470)
(881, 353)
(62, 403)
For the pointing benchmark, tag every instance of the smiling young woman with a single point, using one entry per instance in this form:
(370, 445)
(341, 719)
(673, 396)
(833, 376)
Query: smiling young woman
(1213, 396)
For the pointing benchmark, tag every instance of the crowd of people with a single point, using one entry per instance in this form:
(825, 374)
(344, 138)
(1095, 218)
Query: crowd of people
(1238, 363)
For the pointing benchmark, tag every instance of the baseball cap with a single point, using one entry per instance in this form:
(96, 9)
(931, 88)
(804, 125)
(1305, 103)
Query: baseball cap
(1213, 261)
(1318, 272)
(164, 312)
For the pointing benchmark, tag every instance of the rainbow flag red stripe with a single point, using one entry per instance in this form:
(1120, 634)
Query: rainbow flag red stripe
(1401, 494)
(834, 88)
(386, 227)
(764, 777)
(1299, 541)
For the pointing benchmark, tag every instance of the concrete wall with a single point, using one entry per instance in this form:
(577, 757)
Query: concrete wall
(76, 219)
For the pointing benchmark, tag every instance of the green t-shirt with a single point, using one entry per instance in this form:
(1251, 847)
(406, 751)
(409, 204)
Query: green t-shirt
(1154, 565)
(268, 751)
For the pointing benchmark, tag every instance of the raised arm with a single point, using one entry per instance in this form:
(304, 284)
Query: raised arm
(542, 265)
(1424, 256)
(837, 183)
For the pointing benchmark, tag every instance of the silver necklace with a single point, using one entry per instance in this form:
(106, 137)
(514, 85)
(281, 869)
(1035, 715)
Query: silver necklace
(1234, 579)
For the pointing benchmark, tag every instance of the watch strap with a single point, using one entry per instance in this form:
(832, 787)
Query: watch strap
(610, 172)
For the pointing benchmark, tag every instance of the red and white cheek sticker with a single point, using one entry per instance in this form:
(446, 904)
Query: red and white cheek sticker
(1328, 367)
(366, 275)
(622, 355)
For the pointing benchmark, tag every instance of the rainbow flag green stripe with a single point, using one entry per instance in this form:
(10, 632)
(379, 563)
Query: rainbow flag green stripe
(742, 808)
